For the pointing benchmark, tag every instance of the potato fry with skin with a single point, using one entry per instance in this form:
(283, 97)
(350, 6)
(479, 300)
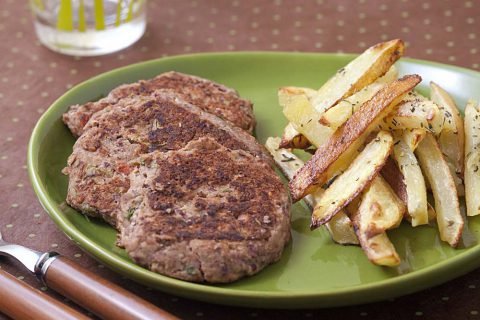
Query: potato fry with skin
(293, 139)
(391, 207)
(294, 91)
(286, 161)
(379, 249)
(334, 156)
(416, 191)
(411, 137)
(435, 168)
(456, 179)
(421, 144)
(303, 108)
(441, 122)
(363, 70)
(349, 184)
(303, 117)
(340, 227)
(288, 94)
(395, 179)
(472, 158)
(337, 115)
(415, 112)
(344, 109)
(451, 141)
(376, 245)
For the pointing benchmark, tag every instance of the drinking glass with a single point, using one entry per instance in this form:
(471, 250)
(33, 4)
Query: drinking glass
(88, 27)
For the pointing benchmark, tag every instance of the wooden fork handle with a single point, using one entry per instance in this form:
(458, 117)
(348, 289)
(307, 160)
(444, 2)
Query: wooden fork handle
(20, 301)
(98, 295)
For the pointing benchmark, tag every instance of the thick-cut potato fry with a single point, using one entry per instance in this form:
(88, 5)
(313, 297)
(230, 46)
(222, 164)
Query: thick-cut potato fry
(415, 188)
(363, 70)
(293, 139)
(303, 117)
(395, 179)
(286, 161)
(380, 146)
(415, 112)
(376, 245)
(344, 109)
(451, 141)
(340, 227)
(391, 211)
(334, 156)
(379, 249)
(392, 206)
(411, 137)
(349, 184)
(449, 219)
(337, 115)
(449, 144)
(472, 158)
(456, 179)
(287, 95)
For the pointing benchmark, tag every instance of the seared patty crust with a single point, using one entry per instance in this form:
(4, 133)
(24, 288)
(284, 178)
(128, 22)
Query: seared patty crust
(209, 96)
(205, 213)
(102, 157)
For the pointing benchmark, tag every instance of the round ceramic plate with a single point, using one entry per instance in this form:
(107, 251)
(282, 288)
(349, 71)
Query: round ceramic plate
(313, 271)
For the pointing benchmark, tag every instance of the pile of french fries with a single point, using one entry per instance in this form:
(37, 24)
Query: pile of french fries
(378, 148)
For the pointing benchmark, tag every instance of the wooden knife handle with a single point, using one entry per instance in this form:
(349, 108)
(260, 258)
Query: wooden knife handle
(98, 295)
(20, 301)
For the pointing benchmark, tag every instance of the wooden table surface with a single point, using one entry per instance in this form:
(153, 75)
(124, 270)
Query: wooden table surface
(32, 77)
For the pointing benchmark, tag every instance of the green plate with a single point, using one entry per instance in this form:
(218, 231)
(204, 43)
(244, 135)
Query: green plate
(313, 272)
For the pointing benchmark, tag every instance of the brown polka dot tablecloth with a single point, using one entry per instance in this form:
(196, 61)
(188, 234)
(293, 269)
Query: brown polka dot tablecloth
(32, 77)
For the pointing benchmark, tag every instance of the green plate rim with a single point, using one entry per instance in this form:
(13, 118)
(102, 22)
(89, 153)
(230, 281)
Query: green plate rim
(403, 284)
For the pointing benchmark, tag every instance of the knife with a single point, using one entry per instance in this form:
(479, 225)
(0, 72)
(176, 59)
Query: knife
(20, 301)
(101, 297)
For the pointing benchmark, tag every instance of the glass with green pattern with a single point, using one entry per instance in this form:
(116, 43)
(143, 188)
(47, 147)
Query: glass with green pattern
(88, 27)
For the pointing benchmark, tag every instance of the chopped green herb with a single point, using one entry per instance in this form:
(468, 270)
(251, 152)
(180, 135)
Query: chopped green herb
(130, 213)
